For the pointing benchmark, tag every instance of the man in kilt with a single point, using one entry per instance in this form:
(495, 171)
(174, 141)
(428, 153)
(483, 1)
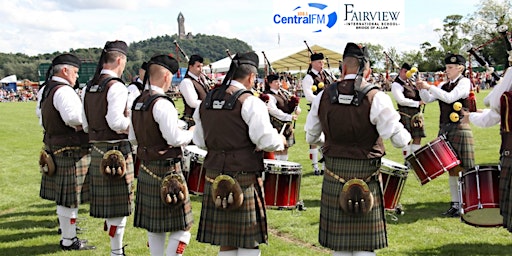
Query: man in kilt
(313, 83)
(500, 108)
(107, 120)
(235, 153)
(351, 129)
(60, 113)
(159, 140)
(453, 120)
(193, 88)
(407, 97)
(283, 111)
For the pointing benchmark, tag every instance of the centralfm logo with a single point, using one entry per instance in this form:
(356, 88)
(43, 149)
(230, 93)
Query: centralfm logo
(339, 16)
(309, 14)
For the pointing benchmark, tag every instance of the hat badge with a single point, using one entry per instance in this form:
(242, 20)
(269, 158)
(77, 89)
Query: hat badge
(453, 59)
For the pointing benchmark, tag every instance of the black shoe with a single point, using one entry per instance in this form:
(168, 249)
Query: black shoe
(317, 172)
(321, 172)
(77, 245)
(452, 212)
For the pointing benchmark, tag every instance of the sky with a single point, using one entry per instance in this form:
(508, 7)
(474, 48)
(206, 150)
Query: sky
(45, 26)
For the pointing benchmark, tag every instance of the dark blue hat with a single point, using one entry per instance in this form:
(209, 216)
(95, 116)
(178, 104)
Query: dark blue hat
(354, 50)
(68, 59)
(119, 46)
(317, 56)
(455, 59)
(195, 58)
(406, 66)
(165, 61)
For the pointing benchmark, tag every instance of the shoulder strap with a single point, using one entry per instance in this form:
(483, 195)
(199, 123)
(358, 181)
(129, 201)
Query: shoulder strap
(144, 106)
(100, 87)
(213, 103)
(139, 85)
(232, 100)
(47, 89)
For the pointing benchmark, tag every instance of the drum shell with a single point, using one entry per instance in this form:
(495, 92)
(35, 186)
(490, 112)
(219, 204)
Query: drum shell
(194, 172)
(281, 183)
(393, 176)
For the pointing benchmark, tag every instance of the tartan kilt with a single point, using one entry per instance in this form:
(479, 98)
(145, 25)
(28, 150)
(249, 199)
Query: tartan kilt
(150, 212)
(461, 139)
(344, 232)
(245, 227)
(416, 132)
(47, 188)
(505, 189)
(110, 198)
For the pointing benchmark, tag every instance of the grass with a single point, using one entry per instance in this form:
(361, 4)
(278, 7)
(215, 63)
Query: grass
(28, 224)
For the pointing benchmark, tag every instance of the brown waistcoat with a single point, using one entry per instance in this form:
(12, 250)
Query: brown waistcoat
(282, 102)
(201, 90)
(446, 109)
(95, 106)
(410, 92)
(506, 121)
(57, 133)
(347, 128)
(151, 143)
(227, 139)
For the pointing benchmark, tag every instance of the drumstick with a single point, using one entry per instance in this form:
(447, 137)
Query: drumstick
(282, 129)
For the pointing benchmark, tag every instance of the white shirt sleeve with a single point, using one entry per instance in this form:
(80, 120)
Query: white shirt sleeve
(313, 127)
(261, 132)
(133, 92)
(117, 98)
(69, 105)
(198, 136)
(275, 111)
(398, 93)
(166, 116)
(38, 106)
(188, 92)
(307, 82)
(487, 118)
(85, 124)
(387, 121)
(461, 91)
(505, 84)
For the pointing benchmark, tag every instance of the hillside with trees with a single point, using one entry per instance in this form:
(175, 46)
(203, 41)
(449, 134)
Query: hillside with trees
(211, 47)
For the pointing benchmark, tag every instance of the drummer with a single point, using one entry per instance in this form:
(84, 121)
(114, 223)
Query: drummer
(453, 121)
(491, 117)
(283, 110)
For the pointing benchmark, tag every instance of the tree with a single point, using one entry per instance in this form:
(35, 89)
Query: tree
(452, 39)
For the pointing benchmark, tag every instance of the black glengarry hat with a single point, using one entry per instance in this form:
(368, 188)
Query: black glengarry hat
(119, 46)
(272, 78)
(165, 61)
(317, 56)
(356, 51)
(194, 58)
(455, 59)
(406, 66)
(68, 59)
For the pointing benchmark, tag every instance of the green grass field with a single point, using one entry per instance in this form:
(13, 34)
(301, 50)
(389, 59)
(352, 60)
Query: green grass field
(28, 224)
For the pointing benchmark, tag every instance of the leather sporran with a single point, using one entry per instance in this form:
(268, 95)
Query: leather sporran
(46, 163)
(113, 164)
(356, 198)
(174, 190)
(417, 120)
(227, 193)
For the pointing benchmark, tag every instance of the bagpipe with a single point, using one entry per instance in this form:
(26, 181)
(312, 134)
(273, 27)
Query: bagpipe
(210, 82)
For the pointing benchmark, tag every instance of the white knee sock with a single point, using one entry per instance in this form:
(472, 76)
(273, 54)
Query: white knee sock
(156, 243)
(248, 252)
(342, 253)
(415, 147)
(178, 241)
(313, 155)
(454, 188)
(67, 222)
(228, 253)
(363, 253)
(116, 233)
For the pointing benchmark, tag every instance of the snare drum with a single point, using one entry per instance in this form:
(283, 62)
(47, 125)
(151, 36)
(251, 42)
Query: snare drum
(433, 159)
(479, 194)
(393, 177)
(193, 169)
(282, 183)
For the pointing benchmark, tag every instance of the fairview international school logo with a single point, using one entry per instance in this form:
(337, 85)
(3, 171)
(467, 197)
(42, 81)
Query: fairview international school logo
(339, 16)
(309, 14)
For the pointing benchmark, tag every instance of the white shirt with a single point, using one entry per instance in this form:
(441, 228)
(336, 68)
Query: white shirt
(461, 91)
(490, 117)
(133, 92)
(188, 91)
(307, 82)
(117, 98)
(255, 115)
(382, 114)
(398, 93)
(166, 116)
(276, 112)
(66, 101)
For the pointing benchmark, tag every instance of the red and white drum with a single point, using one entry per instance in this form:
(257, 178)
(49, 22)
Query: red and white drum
(193, 168)
(281, 183)
(393, 177)
(479, 194)
(433, 159)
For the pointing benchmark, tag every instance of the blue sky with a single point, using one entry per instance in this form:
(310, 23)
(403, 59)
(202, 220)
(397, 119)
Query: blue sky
(42, 26)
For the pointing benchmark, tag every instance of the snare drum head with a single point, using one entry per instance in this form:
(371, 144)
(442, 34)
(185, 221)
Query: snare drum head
(279, 166)
(389, 167)
(195, 150)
